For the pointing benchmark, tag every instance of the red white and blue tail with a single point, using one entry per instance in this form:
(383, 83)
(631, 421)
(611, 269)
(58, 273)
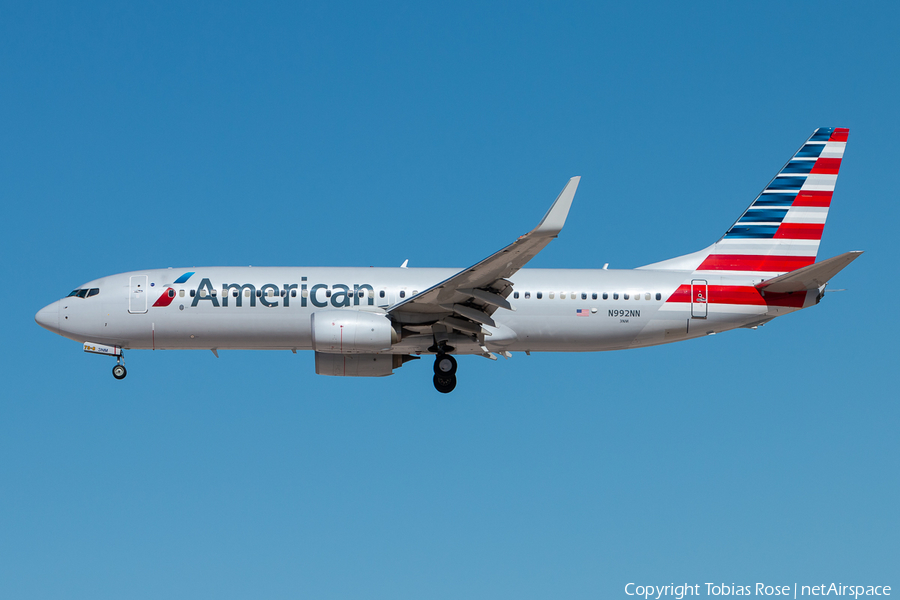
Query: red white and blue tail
(781, 230)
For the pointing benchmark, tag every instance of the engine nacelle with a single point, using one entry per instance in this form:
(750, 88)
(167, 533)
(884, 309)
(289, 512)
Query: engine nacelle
(358, 365)
(352, 332)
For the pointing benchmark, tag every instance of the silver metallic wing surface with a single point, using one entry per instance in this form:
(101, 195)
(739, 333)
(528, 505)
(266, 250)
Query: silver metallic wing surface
(483, 287)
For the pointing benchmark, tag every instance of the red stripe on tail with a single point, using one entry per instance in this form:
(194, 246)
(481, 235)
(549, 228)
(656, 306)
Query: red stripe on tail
(800, 231)
(839, 135)
(810, 198)
(826, 166)
(742, 295)
(751, 262)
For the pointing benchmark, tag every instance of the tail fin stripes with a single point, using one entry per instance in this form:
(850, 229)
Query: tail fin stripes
(782, 228)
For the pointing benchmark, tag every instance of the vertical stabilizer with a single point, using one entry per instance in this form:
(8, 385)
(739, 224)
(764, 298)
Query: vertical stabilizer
(781, 230)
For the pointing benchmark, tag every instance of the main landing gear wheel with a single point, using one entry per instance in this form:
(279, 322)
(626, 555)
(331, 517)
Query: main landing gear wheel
(119, 372)
(444, 373)
(444, 364)
(444, 383)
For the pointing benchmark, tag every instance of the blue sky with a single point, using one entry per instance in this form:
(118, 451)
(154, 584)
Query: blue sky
(339, 134)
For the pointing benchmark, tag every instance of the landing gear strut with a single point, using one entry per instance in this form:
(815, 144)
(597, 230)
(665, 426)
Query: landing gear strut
(444, 373)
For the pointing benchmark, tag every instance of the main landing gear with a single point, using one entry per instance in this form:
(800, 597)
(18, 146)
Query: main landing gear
(444, 373)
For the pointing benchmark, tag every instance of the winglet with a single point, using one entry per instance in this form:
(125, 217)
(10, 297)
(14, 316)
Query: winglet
(553, 221)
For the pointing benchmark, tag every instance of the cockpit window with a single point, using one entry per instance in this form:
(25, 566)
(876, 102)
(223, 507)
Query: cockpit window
(84, 293)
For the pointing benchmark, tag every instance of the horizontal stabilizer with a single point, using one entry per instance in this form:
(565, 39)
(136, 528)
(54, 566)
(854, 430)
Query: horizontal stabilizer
(810, 277)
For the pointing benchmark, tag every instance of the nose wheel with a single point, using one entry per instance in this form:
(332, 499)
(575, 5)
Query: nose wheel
(119, 371)
(444, 373)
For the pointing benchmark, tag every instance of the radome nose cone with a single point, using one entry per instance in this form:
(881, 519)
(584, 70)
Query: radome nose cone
(48, 317)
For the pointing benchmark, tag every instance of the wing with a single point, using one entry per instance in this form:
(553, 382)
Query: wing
(467, 300)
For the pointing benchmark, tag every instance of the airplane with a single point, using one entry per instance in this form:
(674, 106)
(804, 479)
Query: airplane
(367, 322)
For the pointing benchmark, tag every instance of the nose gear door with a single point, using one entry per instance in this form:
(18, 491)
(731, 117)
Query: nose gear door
(137, 295)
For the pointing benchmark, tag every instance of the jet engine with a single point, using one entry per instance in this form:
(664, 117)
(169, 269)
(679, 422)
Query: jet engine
(352, 332)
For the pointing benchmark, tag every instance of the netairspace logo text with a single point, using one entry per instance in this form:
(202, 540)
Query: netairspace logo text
(760, 589)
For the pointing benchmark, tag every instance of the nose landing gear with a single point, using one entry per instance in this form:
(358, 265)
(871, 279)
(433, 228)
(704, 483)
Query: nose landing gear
(444, 373)
(119, 371)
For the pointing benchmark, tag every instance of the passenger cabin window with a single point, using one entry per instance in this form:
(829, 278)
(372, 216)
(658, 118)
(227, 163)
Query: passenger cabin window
(193, 292)
(293, 293)
(615, 295)
(181, 293)
(402, 294)
(625, 296)
(647, 296)
(605, 296)
(562, 295)
(527, 295)
(171, 293)
(593, 296)
(539, 295)
(584, 296)
(381, 294)
(658, 296)
(246, 293)
(516, 295)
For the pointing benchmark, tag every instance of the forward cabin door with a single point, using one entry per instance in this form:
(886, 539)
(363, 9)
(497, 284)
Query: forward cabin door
(699, 299)
(137, 295)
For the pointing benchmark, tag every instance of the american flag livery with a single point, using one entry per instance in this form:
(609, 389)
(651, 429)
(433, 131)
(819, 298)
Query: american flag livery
(777, 234)
(582, 312)
(781, 230)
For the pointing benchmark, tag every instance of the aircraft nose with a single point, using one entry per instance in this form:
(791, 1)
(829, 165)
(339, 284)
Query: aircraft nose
(48, 317)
